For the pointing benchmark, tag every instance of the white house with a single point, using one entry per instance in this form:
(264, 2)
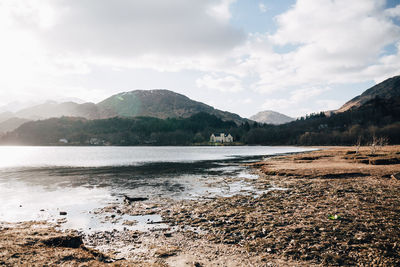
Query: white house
(96, 141)
(221, 138)
(63, 140)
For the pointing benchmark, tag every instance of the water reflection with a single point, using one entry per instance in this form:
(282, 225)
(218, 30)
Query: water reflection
(166, 177)
(41, 191)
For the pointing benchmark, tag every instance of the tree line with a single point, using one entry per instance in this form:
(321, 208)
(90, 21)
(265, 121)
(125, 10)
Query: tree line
(379, 118)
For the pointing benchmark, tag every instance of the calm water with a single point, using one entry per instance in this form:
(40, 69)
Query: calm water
(36, 183)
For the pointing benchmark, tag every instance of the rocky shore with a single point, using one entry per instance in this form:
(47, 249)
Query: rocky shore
(335, 206)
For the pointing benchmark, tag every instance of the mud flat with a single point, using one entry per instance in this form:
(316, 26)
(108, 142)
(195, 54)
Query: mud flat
(328, 207)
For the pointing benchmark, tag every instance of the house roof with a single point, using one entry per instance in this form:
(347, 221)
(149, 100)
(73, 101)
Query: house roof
(220, 134)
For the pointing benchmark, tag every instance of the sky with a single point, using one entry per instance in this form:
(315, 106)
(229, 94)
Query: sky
(242, 56)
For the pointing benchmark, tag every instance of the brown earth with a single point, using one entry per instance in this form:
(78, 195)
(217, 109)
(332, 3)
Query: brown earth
(38, 244)
(335, 207)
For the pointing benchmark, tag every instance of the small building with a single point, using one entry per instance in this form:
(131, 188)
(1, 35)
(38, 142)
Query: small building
(96, 141)
(63, 140)
(221, 138)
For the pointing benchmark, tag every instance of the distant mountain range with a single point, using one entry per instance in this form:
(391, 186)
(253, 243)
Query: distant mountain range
(271, 117)
(158, 103)
(387, 90)
(52, 109)
(164, 104)
(161, 117)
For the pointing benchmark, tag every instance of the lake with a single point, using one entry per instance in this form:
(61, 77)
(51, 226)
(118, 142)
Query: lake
(36, 183)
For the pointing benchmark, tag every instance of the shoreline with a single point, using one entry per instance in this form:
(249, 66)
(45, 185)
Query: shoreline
(332, 208)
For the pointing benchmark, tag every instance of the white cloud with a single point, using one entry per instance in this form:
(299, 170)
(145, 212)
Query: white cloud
(387, 66)
(326, 43)
(306, 93)
(335, 41)
(294, 104)
(262, 7)
(95, 31)
(338, 39)
(224, 84)
(123, 28)
(331, 42)
(328, 104)
(247, 101)
(221, 10)
(393, 12)
(45, 39)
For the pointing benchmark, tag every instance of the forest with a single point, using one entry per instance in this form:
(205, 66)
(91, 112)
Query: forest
(376, 119)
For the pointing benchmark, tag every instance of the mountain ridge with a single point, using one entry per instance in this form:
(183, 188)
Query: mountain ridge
(378, 117)
(162, 104)
(158, 103)
(11, 124)
(271, 117)
(387, 89)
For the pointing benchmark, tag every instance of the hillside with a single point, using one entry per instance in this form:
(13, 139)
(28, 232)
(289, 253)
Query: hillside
(6, 116)
(11, 124)
(51, 109)
(271, 117)
(120, 131)
(160, 104)
(375, 119)
(387, 89)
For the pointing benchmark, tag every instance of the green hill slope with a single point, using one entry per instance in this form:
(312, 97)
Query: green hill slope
(160, 104)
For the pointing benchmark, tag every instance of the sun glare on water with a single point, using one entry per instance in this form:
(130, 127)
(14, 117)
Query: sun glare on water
(14, 156)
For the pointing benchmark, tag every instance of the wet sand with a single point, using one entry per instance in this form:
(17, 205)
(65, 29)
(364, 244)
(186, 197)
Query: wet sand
(327, 207)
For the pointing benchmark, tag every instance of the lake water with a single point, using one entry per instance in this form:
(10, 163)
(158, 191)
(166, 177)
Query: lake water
(36, 183)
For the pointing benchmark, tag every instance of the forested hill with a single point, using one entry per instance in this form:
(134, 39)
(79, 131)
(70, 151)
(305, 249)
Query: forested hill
(157, 103)
(120, 131)
(160, 104)
(388, 89)
(378, 117)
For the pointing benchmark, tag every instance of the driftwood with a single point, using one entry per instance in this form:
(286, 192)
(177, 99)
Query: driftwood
(129, 200)
(396, 176)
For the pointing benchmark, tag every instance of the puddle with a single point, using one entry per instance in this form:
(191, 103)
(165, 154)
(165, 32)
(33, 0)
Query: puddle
(247, 175)
(145, 222)
(104, 221)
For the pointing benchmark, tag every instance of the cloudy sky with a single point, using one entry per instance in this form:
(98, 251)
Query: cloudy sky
(244, 56)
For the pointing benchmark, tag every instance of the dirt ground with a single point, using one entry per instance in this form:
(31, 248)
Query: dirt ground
(324, 208)
(38, 244)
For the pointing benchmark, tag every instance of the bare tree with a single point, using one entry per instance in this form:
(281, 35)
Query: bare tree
(358, 144)
(373, 144)
(383, 141)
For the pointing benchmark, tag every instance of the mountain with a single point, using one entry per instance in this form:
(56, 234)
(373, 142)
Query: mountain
(5, 116)
(377, 119)
(70, 99)
(386, 90)
(11, 124)
(271, 117)
(160, 104)
(17, 105)
(51, 109)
